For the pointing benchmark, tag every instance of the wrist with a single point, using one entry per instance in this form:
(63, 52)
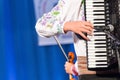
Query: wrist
(67, 27)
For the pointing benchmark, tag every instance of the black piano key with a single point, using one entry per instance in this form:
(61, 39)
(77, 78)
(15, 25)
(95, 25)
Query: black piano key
(98, 22)
(100, 55)
(100, 39)
(98, 19)
(100, 51)
(98, 5)
(98, 10)
(96, 2)
(99, 43)
(98, 29)
(99, 34)
(101, 60)
(98, 14)
(100, 64)
(100, 46)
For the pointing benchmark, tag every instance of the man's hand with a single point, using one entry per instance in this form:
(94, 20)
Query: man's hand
(79, 27)
(68, 67)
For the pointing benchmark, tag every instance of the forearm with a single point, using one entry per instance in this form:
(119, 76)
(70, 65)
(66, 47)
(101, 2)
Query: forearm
(48, 28)
(51, 23)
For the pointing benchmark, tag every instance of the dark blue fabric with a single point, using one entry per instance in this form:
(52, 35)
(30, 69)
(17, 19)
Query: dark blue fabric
(20, 56)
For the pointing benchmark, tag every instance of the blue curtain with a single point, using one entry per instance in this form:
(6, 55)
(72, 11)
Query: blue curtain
(20, 56)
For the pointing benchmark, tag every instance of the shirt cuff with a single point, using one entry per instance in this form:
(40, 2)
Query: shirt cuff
(62, 26)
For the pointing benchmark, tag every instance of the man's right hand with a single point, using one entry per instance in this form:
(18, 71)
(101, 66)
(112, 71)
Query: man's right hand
(79, 27)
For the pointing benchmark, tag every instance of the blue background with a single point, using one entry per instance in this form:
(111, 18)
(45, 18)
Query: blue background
(20, 56)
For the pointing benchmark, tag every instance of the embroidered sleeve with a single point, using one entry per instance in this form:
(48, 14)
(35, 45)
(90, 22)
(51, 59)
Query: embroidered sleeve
(50, 23)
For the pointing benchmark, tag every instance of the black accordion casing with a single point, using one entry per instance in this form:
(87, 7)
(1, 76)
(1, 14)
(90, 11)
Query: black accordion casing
(101, 53)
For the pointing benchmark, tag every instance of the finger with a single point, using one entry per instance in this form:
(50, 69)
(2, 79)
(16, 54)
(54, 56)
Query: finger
(86, 31)
(88, 23)
(87, 27)
(83, 28)
(84, 36)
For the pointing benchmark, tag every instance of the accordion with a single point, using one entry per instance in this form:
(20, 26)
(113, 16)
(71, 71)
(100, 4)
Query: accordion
(101, 50)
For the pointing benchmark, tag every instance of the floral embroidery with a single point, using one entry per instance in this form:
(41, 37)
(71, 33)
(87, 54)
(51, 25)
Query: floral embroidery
(48, 20)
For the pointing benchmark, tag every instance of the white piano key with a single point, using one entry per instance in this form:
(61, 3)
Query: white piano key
(95, 5)
(94, 51)
(92, 59)
(97, 49)
(92, 13)
(99, 24)
(95, 54)
(91, 48)
(92, 20)
(97, 21)
(94, 8)
(93, 62)
(94, 0)
(97, 66)
(91, 44)
(92, 4)
(89, 18)
(97, 58)
(95, 16)
(96, 46)
(97, 42)
(96, 37)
